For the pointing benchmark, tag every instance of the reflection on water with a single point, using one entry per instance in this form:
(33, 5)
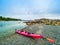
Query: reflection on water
(8, 27)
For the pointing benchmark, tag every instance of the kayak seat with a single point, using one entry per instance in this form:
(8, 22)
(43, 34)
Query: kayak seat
(29, 33)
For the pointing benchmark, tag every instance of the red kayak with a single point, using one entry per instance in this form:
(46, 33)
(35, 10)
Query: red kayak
(31, 35)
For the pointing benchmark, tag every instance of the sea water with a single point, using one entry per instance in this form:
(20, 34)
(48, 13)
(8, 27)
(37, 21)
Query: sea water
(9, 27)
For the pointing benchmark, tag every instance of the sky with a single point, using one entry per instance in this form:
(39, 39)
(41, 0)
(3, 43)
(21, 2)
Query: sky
(30, 9)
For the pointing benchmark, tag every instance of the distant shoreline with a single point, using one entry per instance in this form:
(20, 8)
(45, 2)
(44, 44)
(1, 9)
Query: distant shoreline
(8, 19)
(44, 21)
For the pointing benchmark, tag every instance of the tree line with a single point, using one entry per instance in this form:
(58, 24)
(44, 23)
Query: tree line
(8, 19)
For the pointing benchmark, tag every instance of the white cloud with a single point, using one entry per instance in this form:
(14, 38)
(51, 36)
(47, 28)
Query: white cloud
(28, 17)
(35, 9)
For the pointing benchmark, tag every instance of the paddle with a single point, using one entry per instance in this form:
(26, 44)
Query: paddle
(50, 40)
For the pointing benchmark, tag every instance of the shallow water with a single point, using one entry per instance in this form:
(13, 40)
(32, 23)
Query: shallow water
(47, 31)
(8, 27)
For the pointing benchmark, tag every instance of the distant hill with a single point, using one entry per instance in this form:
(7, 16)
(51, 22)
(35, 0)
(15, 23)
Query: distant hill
(8, 19)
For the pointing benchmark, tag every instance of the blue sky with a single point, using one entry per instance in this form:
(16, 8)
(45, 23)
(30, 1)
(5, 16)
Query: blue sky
(30, 9)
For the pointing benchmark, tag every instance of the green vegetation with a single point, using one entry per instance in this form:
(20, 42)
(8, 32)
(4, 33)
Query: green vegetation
(44, 22)
(8, 19)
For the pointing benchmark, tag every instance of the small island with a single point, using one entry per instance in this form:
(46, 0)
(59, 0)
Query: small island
(8, 19)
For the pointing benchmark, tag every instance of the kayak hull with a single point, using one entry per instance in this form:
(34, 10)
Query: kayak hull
(24, 33)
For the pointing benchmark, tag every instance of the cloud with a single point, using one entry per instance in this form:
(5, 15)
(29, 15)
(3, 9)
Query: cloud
(28, 17)
(34, 7)
(31, 9)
